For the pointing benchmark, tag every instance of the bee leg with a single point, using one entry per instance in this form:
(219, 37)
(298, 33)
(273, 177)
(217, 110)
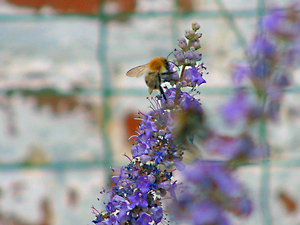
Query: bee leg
(162, 92)
(168, 73)
(159, 86)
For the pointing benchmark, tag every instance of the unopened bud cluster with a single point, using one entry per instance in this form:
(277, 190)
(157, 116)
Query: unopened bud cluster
(186, 55)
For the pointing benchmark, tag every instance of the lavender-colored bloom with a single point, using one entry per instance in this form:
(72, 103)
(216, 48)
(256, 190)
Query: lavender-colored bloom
(138, 150)
(120, 202)
(273, 109)
(281, 79)
(122, 176)
(240, 148)
(179, 165)
(144, 219)
(189, 102)
(143, 183)
(112, 220)
(238, 108)
(284, 24)
(262, 48)
(166, 185)
(207, 212)
(242, 207)
(149, 127)
(240, 73)
(138, 198)
(213, 176)
(157, 214)
(145, 158)
(192, 75)
(196, 76)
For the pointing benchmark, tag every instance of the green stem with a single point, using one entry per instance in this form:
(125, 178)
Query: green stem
(265, 169)
(180, 80)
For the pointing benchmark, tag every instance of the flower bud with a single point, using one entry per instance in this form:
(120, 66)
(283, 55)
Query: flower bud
(187, 34)
(199, 35)
(182, 43)
(190, 34)
(190, 55)
(178, 84)
(198, 57)
(195, 26)
(179, 56)
(196, 44)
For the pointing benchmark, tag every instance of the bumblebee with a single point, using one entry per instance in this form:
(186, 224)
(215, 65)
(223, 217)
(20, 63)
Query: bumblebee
(152, 72)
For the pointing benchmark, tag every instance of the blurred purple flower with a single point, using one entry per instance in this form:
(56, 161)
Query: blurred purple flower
(284, 24)
(238, 108)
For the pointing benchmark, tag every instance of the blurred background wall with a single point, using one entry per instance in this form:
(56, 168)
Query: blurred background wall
(67, 108)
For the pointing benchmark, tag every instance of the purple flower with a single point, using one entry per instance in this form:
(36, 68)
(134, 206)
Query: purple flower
(189, 102)
(211, 177)
(138, 198)
(145, 158)
(144, 219)
(242, 207)
(284, 24)
(179, 165)
(262, 47)
(237, 108)
(112, 220)
(240, 72)
(138, 150)
(207, 212)
(143, 183)
(166, 185)
(120, 202)
(149, 127)
(196, 76)
(240, 148)
(157, 214)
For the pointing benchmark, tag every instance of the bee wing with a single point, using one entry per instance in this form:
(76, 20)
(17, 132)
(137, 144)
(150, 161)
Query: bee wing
(137, 71)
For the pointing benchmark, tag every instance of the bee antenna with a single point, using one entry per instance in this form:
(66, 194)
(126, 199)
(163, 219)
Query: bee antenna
(169, 55)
